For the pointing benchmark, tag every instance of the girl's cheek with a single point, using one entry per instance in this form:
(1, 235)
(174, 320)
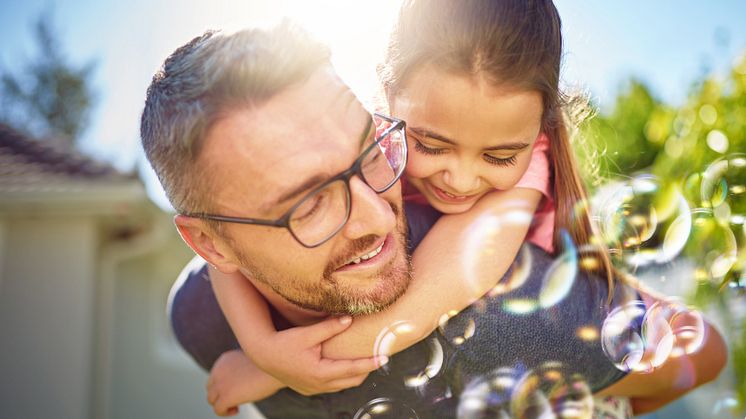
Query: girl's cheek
(417, 168)
(505, 179)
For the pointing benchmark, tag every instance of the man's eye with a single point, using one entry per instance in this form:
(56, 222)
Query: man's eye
(310, 208)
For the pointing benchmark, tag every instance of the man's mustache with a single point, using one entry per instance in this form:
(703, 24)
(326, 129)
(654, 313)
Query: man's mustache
(357, 247)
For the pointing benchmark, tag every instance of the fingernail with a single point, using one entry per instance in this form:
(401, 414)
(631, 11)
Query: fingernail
(383, 360)
(345, 319)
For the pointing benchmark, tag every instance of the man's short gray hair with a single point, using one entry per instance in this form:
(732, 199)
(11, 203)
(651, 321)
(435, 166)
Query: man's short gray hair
(213, 74)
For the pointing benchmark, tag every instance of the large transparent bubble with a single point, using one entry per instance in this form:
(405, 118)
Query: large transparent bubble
(628, 214)
(458, 329)
(516, 276)
(646, 224)
(416, 375)
(551, 391)
(735, 280)
(724, 186)
(686, 324)
(556, 283)
(489, 396)
(712, 247)
(621, 335)
(485, 239)
(560, 277)
(385, 408)
(658, 339)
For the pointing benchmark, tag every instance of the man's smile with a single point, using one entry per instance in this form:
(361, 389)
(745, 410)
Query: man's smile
(375, 257)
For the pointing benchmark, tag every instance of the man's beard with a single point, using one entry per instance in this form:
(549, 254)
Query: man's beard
(329, 296)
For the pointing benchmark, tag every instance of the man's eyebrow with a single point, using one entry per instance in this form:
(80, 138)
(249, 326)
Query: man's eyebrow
(513, 146)
(297, 191)
(316, 179)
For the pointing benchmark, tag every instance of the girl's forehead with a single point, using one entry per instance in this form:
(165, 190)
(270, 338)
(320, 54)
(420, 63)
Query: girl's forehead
(462, 106)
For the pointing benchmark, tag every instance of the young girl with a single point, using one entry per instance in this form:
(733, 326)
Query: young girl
(478, 84)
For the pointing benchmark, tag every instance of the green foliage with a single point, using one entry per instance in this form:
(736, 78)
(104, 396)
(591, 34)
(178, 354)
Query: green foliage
(49, 97)
(698, 149)
(630, 137)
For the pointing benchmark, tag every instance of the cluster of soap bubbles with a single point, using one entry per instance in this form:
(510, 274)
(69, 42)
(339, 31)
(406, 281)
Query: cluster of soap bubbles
(673, 236)
(550, 390)
(687, 232)
(638, 338)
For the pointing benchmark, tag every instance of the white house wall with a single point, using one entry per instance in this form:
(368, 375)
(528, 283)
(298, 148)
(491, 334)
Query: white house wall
(46, 316)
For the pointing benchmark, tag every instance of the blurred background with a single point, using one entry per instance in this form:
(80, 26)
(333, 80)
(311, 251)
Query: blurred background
(88, 251)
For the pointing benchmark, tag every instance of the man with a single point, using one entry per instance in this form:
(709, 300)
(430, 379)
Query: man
(247, 125)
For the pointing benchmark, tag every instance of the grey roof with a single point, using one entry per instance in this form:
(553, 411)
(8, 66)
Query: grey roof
(29, 165)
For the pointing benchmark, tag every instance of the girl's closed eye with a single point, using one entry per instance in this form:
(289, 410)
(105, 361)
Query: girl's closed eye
(422, 148)
(500, 161)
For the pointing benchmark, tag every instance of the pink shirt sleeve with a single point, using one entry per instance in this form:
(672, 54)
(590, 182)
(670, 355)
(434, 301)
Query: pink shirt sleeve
(538, 177)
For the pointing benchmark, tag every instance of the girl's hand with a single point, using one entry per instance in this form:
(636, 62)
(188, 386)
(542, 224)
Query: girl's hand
(293, 356)
(235, 380)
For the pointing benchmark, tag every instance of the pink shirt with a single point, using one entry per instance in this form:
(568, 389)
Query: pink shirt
(538, 177)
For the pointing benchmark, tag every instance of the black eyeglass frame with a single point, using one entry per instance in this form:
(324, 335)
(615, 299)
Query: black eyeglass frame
(355, 169)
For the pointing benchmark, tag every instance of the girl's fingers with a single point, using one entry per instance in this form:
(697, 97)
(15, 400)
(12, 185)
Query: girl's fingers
(326, 329)
(344, 369)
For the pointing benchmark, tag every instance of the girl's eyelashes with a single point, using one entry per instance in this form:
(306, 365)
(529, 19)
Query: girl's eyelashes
(433, 151)
(425, 149)
(510, 161)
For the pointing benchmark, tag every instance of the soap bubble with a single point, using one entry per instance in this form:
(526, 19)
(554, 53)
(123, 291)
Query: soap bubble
(646, 224)
(484, 239)
(687, 325)
(560, 276)
(458, 329)
(516, 276)
(389, 334)
(726, 407)
(416, 374)
(488, 396)
(627, 214)
(385, 408)
(621, 335)
(658, 339)
(724, 184)
(552, 391)
(712, 246)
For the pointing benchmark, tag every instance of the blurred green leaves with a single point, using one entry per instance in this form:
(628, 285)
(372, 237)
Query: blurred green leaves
(699, 150)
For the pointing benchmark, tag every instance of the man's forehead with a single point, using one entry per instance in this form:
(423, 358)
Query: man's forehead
(309, 130)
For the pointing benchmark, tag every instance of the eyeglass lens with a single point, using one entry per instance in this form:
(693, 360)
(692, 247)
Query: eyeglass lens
(323, 213)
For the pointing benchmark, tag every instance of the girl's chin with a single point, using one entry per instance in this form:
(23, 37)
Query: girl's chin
(448, 208)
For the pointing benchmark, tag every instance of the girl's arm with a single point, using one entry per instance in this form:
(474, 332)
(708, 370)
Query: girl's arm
(292, 356)
(461, 258)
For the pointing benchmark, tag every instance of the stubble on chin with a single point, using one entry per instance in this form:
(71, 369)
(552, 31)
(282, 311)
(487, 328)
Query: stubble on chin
(330, 296)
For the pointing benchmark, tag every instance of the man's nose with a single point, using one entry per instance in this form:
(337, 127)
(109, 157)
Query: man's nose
(370, 213)
(461, 179)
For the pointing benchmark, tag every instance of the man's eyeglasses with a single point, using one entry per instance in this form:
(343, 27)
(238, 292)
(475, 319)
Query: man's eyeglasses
(322, 213)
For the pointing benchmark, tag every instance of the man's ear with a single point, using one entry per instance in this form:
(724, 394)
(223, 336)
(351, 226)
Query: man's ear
(203, 241)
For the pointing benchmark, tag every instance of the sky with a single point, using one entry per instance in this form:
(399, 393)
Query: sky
(666, 43)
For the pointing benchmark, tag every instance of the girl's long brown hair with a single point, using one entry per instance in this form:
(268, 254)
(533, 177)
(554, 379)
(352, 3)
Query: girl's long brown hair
(513, 43)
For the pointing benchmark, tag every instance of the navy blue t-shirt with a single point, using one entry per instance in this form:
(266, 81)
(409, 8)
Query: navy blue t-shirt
(498, 336)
